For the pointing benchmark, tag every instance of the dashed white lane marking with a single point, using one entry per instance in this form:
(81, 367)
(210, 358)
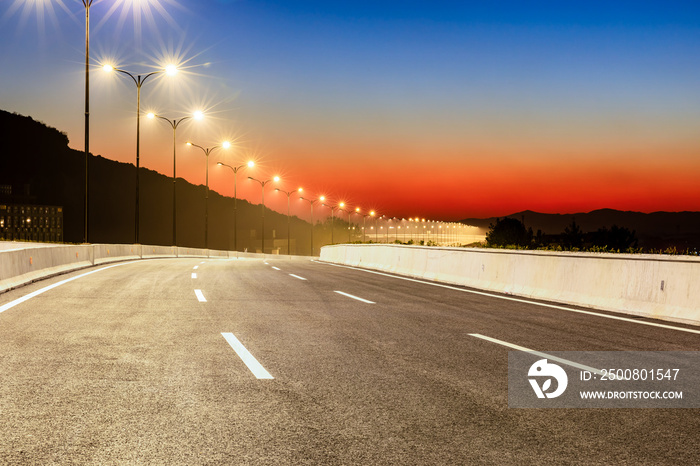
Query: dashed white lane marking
(276, 268)
(255, 367)
(17, 301)
(537, 353)
(195, 267)
(203, 262)
(297, 276)
(200, 296)
(355, 297)
(194, 275)
(519, 300)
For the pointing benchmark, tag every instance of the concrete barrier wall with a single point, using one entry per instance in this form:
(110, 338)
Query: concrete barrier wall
(662, 287)
(21, 266)
(30, 263)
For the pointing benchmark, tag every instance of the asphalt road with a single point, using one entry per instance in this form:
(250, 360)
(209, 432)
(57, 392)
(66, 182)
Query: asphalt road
(129, 365)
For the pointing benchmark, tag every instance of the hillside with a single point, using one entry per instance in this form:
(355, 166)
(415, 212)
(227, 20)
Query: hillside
(37, 162)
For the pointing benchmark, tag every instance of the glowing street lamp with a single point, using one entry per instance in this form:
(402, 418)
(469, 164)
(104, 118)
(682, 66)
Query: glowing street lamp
(250, 164)
(262, 185)
(208, 151)
(175, 123)
(333, 208)
(289, 195)
(356, 211)
(312, 202)
(171, 70)
(364, 220)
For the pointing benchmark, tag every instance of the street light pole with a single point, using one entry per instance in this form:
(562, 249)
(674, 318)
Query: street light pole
(174, 124)
(138, 80)
(87, 4)
(312, 202)
(208, 151)
(235, 198)
(262, 185)
(333, 208)
(289, 195)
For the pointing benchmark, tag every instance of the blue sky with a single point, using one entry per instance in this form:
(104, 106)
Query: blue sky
(353, 98)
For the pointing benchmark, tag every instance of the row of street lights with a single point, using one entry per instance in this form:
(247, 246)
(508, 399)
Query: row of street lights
(139, 80)
(174, 123)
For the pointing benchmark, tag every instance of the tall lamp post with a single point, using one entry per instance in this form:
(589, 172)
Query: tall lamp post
(364, 223)
(333, 209)
(87, 4)
(312, 202)
(139, 80)
(250, 164)
(175, 123)
(356, 211)
(289, 195)
(207, 151)
(262, 185)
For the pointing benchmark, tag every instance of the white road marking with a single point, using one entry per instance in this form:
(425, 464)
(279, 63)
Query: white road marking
(200, 296)
(275, 267)
(297, 276)
(255, 367)
(17, 301)
(538, 353)
(194, 275)
(355, 297)
(521, 300)
(195, 267)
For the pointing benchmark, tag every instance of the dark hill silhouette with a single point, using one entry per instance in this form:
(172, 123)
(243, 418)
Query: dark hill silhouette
(42, 169)
(657, 230)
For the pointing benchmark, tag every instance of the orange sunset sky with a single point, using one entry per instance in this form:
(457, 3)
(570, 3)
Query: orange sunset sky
(444, 112)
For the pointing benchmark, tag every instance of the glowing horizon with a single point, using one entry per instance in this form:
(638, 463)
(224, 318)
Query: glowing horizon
(445, 112)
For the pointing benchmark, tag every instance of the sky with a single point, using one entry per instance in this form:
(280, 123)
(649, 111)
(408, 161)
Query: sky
(439, 110)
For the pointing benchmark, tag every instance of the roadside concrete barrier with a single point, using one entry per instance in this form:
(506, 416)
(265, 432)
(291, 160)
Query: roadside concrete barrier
(655, 286)
(35, 261)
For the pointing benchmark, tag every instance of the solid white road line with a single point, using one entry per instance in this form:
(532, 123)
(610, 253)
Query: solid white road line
(275, 267)
(194, 275)
(355, 297)
(200, 296)
(297, 276)
(17, 301)
(255, 367)
(519, 300)
(537, 353)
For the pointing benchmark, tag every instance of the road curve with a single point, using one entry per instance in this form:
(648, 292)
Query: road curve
(211, 361)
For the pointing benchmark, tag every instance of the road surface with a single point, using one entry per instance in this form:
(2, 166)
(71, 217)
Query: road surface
(211, 361)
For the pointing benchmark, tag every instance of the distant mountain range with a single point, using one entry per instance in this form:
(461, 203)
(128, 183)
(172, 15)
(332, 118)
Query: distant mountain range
(657, 230)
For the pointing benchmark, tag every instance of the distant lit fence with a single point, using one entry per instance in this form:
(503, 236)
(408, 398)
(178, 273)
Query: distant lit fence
(19, 222)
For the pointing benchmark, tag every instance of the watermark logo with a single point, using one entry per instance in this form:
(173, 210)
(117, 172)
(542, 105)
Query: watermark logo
(547, 371)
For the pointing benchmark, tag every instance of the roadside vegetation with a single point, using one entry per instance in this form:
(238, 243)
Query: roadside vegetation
(511, 233)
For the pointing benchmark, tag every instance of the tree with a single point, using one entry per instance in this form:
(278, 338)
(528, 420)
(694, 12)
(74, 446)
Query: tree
(508, 232)
(616, 238)
(573, 236)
